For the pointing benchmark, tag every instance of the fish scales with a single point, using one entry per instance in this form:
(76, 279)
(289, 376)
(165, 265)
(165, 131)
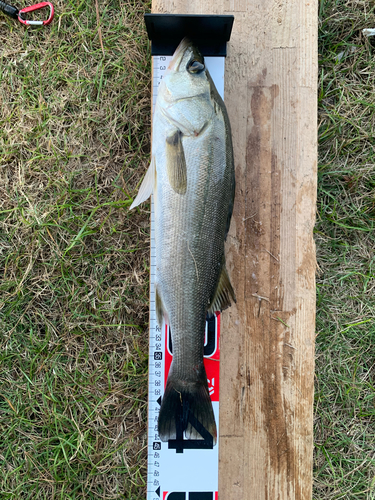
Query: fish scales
(190, 230)
(192, 178)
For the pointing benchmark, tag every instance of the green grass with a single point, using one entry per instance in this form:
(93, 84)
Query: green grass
(74, 139)
(345, 238)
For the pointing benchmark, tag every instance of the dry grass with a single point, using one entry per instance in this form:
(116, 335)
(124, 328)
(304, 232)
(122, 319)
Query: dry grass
(74, 139)
(345, 237)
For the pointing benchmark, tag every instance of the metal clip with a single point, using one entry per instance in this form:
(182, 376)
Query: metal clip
(37, 6)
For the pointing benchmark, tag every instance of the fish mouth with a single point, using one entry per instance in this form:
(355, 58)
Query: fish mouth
(179, 52)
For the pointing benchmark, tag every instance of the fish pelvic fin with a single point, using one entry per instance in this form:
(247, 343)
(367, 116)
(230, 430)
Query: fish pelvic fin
(176, 163)
(187, 405)
(147, 186)
(224, 293)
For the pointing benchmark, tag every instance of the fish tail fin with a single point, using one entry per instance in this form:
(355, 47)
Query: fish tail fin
(187, 406)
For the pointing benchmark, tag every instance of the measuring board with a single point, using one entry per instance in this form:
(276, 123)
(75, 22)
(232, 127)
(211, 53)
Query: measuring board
(180, 469)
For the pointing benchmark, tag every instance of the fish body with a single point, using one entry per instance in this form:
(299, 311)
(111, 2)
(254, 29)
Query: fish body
(192, 178)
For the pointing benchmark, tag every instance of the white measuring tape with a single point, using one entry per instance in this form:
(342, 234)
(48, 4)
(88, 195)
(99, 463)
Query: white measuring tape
(180, 469)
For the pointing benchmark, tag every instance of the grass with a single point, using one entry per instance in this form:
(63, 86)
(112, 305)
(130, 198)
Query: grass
(345, 238)
(74, 137)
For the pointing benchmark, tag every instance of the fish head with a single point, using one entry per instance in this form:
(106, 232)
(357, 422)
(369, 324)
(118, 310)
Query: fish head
(185, 92)
(186, 73)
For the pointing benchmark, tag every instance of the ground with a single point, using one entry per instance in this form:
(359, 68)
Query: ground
(345, 238)
(74, 144)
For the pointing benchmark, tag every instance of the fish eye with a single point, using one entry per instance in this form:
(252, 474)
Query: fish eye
(195, 66)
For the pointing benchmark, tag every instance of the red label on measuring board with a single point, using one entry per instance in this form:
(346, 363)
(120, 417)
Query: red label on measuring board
(211, 355)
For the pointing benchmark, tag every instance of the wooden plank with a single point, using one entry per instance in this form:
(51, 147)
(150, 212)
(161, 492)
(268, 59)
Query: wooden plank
(267, 349)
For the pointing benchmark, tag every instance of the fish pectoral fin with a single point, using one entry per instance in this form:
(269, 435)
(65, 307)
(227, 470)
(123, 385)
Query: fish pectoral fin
(176, 164)
(223, 293)
(160, 309)
(147, 186)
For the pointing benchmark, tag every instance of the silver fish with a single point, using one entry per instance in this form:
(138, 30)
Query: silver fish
(192, 177)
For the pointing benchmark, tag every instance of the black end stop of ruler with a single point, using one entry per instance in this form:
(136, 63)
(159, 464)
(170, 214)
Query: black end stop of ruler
(210, 33)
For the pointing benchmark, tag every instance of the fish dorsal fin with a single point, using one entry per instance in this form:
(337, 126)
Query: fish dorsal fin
(223, 294)
(176, 164)
(147, 186)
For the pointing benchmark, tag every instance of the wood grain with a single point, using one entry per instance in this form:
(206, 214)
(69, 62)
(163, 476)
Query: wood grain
(267, 350)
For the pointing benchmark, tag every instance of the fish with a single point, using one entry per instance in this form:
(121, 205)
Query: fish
(191, 176)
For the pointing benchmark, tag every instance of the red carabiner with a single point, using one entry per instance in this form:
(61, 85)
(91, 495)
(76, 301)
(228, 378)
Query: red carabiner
(37, 6)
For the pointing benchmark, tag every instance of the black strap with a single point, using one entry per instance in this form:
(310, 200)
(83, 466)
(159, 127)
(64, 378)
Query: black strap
(9, 10)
